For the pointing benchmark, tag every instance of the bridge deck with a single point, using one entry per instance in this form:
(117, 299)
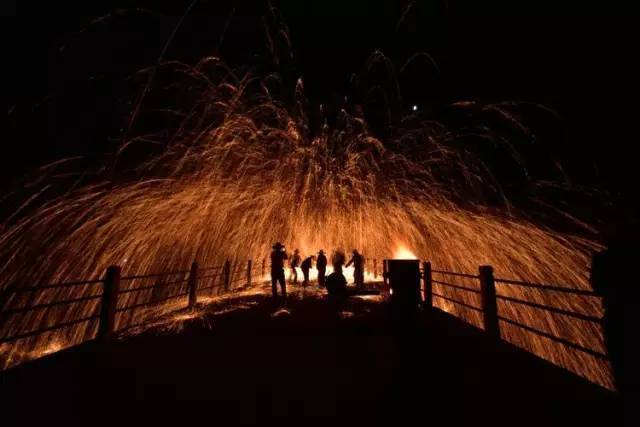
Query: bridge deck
(357, 369)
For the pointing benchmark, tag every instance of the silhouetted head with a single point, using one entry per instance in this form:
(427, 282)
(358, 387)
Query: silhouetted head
(277, 246)
(296, 251)
(355, 252)
(321, 252)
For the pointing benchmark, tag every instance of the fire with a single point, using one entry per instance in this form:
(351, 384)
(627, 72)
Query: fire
(402, 252)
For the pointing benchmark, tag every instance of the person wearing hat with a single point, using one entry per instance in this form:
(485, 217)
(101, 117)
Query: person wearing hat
(278, 256)
(321, 265)
(358, 267)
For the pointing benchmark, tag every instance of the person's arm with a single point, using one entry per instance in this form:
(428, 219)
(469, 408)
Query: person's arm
(349, 263)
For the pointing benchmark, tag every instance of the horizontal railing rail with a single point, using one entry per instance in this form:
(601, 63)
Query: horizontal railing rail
(451, 285)
(29, 288)
(50, 304)
(215, 267)
(40, 331)
(452, 273)
(546, 287)
(141, 289)
(455, 301)
(148, 276)
(550, 309)
(150, 303)
(561, 340)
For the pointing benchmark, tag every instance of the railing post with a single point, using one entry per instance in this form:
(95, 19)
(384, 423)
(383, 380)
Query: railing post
(193, 285)
(428, 286)
(111, 285)
(263, 267)
(227, 274)
(489, 304)
(249, 273)
(375, 268)
(385, 275)
(215, 281)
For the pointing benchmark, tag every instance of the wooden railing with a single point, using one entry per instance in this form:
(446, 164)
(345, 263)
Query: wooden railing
(489, 298)
(111, 304)
(112, 298)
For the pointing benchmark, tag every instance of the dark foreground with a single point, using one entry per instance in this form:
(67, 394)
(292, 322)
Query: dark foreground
(308, 366)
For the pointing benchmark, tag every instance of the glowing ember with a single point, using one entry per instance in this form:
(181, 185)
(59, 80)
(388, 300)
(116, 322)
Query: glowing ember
(281, 312)
(52, 348)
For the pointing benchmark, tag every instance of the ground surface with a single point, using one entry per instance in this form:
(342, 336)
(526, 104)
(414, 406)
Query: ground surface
(250, 363)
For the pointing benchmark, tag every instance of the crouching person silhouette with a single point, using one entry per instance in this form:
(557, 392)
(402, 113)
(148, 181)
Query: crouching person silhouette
(305, 267)
(336, 285)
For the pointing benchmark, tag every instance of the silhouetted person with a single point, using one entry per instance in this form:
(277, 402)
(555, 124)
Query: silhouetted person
(278, 256)
(358, 267)
(336, 287)
(305, 267)
(337, 260)
(295, 263)
(321, 265)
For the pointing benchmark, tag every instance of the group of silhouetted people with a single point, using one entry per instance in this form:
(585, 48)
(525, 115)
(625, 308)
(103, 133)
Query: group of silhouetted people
(335, 283)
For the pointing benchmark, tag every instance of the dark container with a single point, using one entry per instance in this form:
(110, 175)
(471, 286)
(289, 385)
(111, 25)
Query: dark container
(404, 281)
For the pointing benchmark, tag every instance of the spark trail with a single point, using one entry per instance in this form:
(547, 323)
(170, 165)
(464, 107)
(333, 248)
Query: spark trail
(241, 169)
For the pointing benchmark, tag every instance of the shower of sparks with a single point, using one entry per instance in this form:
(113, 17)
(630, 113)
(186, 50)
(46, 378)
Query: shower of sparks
(241, 169)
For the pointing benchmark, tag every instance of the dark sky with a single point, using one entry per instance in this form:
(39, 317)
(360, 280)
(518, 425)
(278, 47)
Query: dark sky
(62, 82)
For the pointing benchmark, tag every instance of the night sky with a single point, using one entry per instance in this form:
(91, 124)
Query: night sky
(65, 81)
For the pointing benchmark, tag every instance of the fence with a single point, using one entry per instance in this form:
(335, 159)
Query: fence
(97, 309)
(111, 304)
(489, 299)
(507, 309)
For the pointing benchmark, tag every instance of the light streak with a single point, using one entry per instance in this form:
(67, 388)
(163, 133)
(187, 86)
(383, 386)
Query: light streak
(242, 170)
